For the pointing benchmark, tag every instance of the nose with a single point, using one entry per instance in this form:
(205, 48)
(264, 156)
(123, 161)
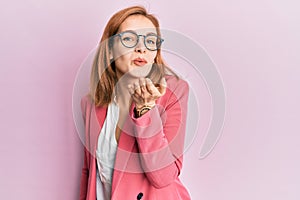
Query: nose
(140, 47)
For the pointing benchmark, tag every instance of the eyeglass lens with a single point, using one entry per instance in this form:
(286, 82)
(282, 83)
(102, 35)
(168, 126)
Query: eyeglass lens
(130, 40)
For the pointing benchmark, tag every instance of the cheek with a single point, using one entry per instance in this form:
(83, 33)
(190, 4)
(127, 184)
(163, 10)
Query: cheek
(122, 58)
(122, 62)
(151, 56)
(119, 51)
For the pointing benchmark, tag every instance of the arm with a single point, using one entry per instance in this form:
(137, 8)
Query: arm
(160, 136)
(84, 177)
(85, 170)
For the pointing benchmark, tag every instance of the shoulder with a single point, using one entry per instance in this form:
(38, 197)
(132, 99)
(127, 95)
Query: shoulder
(85, 102)
(176, 84)
(86, 98)
(177, 91)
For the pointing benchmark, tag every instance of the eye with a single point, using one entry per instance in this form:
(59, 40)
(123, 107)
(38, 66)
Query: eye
(151, 41)
(128, 39)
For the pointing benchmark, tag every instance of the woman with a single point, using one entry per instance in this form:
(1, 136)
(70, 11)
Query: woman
(134, 115)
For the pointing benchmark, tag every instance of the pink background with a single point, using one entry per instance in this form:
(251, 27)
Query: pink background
(254, 44)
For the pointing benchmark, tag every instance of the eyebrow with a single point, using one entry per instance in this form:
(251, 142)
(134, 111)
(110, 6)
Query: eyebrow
(138, 34)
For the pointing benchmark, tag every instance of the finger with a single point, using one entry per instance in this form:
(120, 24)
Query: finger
(130, 89)
(137, 88)
(150, 87)
(133, 94)
(142, 83)
(136, 99)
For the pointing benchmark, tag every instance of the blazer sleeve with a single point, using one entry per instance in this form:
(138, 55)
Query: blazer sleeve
(160, 136)
(85, 169)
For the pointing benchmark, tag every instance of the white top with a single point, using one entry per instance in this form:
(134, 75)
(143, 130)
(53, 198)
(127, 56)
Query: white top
(106, 152)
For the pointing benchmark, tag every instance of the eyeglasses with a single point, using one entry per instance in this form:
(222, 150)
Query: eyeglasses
(130, 39)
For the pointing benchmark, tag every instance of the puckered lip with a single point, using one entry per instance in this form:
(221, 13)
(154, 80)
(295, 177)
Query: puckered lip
(139, 61)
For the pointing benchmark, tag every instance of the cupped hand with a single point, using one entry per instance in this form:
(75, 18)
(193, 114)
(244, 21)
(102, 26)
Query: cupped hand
(144, 92)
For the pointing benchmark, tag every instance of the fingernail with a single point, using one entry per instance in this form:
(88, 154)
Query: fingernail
(131, 91)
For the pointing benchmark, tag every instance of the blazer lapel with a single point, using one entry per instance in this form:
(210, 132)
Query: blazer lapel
(98, 115)
(125, 145)
(124, 151)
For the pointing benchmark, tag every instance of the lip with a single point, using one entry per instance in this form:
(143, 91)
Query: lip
(139, 61)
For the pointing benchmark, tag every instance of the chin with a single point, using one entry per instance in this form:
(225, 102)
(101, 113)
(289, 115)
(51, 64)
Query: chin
(140, 71)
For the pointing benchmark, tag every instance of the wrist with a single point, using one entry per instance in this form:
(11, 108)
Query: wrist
(141, 110)
(140, 106)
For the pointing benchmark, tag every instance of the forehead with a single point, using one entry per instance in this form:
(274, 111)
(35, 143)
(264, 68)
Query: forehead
(139, 24)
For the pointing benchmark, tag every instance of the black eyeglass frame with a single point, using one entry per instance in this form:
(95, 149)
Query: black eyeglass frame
(158, 45)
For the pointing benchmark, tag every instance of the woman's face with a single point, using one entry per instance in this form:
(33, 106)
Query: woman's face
(136, 61)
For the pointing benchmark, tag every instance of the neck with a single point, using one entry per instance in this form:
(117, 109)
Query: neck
(123, 99)
(123, 96)
(123, 82)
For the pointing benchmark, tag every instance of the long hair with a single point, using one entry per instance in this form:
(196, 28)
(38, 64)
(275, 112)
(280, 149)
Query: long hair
(103, 75)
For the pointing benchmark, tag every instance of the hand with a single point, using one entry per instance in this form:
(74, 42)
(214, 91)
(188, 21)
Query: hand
(144, 92)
